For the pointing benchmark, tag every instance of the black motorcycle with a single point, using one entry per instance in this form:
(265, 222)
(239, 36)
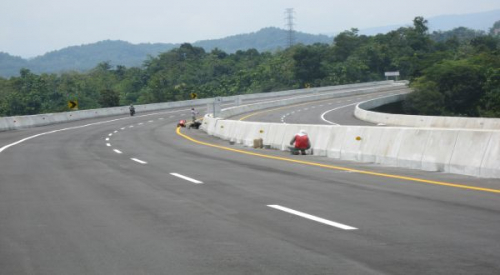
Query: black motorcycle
(132, 111)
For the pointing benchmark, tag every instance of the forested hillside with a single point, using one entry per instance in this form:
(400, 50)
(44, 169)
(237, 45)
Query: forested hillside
(452, 76)
(85, 57)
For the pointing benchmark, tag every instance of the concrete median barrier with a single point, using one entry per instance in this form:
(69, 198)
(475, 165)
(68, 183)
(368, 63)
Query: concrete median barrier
(351, 145)
(490, 167)
(18, 122)
(363, 112)
(386, 151)
(336, 141)
(412, 147)
(439, 150)
(469, 152)
(460, 151)
(276, 135)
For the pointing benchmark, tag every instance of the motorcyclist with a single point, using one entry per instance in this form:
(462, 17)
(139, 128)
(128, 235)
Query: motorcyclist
(132, 109)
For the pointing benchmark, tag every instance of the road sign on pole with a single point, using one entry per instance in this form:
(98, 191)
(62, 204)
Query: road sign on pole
(73, 104)
(388, 74)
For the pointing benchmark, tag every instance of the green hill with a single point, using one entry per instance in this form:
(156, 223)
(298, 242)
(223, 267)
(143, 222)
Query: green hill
(85, 57)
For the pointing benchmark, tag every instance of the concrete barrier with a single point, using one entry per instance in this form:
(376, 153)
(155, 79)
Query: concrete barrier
(469, 152)
(462, 151)
(276, 135)
(439, 150)
(490, 167)
(209, 124)
(459, 151)
(351, 145)
(386, 151)
(19, 122)
(362, 112)
(336, 141)
(319, 136)
(237, 110)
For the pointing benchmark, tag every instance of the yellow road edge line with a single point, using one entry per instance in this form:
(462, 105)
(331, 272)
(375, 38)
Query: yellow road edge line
(462, 186)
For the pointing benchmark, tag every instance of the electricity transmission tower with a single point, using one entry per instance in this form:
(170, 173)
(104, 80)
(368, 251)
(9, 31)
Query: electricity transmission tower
(289, 16)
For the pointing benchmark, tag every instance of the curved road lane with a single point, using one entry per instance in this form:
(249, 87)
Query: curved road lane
(155, 202)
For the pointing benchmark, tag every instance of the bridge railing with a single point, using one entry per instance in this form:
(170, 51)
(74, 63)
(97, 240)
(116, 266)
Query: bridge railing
(471, 152)
(363, 112)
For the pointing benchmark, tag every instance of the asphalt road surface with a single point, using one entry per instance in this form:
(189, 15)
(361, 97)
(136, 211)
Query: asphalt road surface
(130, 195)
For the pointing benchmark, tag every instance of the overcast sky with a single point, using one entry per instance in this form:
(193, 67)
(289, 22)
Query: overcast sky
(33, 27)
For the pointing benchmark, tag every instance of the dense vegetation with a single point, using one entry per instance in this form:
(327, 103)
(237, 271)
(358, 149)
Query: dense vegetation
(454, 76)
(85, 57)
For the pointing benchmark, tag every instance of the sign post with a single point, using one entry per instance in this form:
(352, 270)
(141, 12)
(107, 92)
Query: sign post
(73, 104)
(388, 74)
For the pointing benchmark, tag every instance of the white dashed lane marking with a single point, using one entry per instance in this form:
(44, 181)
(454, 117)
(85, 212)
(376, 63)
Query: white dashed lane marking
(107, 144)
(313, 218)
(139, 161)
(186, 178)
(117, 151)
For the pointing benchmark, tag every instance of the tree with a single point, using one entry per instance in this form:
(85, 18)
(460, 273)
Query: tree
(495, 30)
(456, 86)
(308, 60)
(109, 98)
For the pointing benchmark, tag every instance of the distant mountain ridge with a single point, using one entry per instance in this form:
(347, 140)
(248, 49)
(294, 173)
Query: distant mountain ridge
(85, 57)
(476, 21)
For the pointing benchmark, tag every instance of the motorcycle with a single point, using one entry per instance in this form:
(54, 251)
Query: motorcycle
(132, 112)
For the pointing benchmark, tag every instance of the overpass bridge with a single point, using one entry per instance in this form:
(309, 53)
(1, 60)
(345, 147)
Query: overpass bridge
(134, 195)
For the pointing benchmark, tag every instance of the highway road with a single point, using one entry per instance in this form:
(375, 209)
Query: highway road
(335, 111)
(131, 195)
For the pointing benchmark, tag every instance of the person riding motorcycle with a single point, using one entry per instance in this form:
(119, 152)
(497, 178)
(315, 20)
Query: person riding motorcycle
(132, 110)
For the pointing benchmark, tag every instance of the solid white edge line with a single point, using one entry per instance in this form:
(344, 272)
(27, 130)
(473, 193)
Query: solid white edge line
(79, 127)
(186, 178)
(117, 151)
(139, 161)
(314, 218)
(331, 122)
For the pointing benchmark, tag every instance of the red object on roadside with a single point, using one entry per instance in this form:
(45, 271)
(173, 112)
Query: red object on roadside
(182, 123)
(301, 142)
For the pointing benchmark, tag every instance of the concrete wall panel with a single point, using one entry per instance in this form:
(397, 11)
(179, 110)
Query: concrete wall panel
(412, 147)
(469, 152)
(439, 150)
(336, 140)
(490, 167)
